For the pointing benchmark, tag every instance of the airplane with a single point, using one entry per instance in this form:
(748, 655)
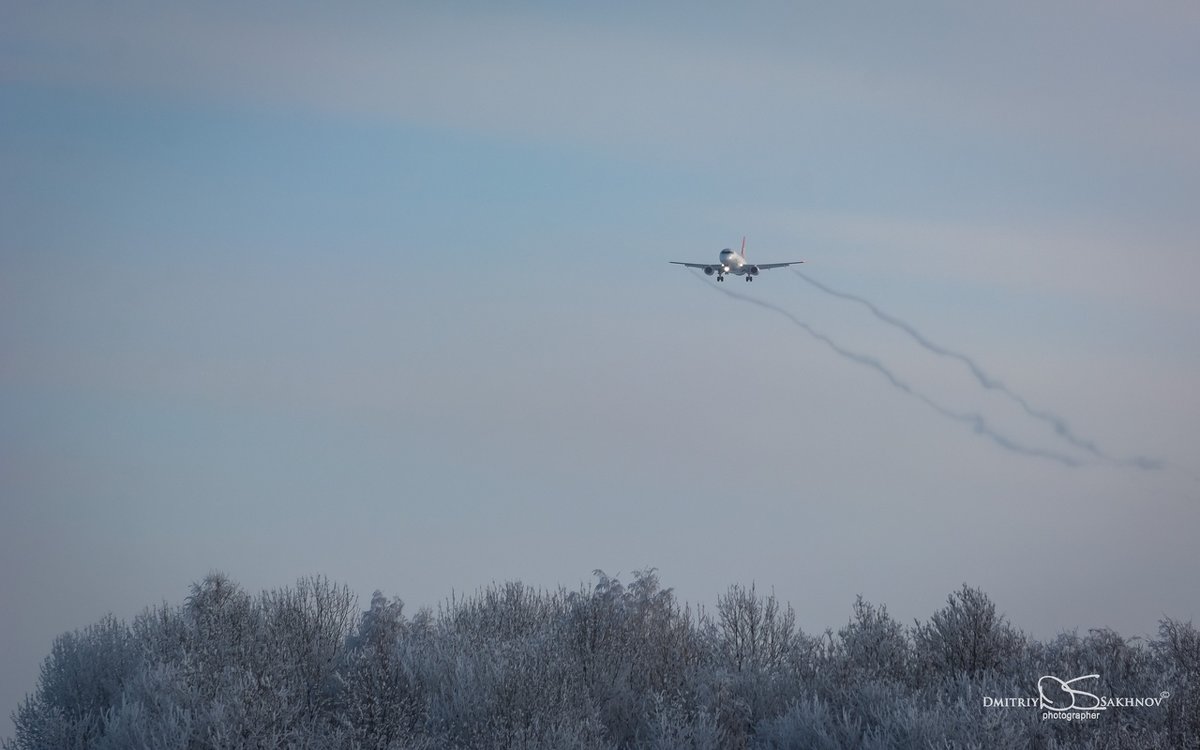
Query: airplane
(735, 263)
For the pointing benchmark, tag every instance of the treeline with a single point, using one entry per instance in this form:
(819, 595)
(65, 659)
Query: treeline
(613, 665)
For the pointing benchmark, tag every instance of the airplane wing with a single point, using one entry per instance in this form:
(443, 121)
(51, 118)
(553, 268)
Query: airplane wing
(691, 265)
(764, 266)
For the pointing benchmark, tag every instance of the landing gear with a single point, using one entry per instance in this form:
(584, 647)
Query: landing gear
(720, 277)
(749, 278)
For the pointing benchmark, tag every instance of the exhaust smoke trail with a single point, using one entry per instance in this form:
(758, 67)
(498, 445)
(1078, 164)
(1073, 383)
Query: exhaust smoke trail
(1058, 423)
(975, 420)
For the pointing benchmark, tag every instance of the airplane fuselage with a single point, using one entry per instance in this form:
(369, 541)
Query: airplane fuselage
(734, 263)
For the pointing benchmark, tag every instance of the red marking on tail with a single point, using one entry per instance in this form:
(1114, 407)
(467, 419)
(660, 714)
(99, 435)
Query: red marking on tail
(743, 246)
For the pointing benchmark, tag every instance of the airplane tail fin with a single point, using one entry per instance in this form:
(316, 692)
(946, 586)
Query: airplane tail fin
(743, 246)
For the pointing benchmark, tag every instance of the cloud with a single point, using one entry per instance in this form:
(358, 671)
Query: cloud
(651, 83)
(506, 72)
(1129, 269)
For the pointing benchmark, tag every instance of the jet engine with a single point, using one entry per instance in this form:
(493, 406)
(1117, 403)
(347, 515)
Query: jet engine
(708, 270)
(752, 270)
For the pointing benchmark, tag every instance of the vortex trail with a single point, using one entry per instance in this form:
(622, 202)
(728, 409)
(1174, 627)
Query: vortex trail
(1060, 426)
(973, 419)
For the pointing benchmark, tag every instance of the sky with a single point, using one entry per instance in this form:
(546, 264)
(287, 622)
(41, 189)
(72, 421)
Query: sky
(381, 292)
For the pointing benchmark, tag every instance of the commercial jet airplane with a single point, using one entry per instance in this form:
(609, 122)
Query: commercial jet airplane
(736, 264)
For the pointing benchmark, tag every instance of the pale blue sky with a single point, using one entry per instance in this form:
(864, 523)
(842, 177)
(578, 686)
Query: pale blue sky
(382, 293)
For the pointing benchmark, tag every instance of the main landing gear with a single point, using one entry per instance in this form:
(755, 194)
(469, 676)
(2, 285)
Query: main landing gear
(749, 277)
(720, 277)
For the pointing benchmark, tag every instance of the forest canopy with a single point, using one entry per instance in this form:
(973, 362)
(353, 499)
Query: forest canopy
(611, 665)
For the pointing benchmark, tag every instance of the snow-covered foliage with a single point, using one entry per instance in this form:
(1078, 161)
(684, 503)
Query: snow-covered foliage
(612, 665)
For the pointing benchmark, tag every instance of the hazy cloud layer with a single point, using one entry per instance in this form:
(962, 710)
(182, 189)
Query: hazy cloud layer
(641, 78)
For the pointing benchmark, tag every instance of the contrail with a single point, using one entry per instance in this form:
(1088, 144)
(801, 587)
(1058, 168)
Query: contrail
(1058, 423)
(974, 419)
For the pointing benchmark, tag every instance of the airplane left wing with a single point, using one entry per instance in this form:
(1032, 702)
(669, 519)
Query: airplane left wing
(763, 266)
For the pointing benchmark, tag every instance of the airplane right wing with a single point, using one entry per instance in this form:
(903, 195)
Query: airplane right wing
(690, 265)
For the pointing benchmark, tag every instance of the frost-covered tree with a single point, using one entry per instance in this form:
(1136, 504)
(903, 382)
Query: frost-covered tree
(1178, 652)
(379, 699)
(752, 645)
(81, 680)
(967, 635)
(754, 633)
(873, 645)
(628, 643)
